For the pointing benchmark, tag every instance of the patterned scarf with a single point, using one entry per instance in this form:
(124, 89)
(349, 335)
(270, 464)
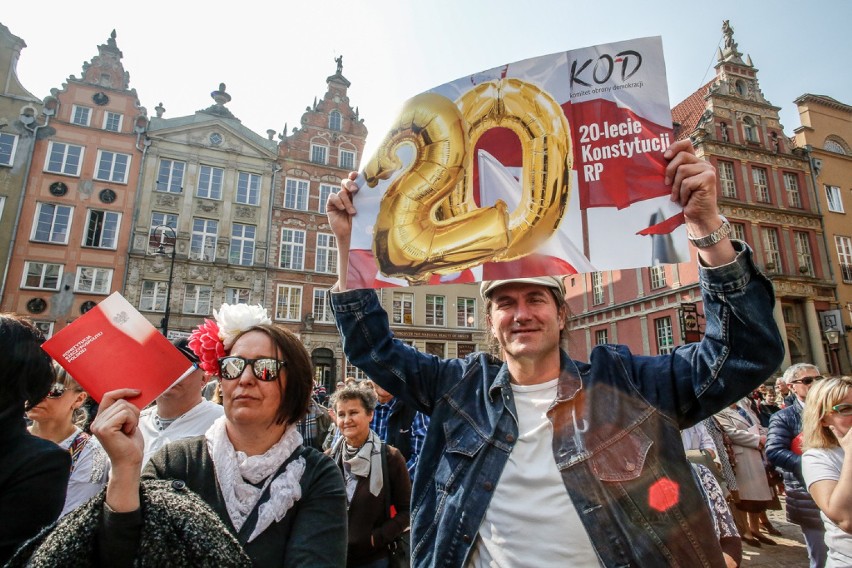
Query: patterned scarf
(367, 461)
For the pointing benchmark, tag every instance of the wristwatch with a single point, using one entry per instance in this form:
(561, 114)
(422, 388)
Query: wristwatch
(712, 238)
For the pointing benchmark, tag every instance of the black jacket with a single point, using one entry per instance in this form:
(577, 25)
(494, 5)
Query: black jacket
(785, 425)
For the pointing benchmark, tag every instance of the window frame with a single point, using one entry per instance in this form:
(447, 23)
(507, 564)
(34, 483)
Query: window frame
(296, 190)
(74, 114)
(804, 252)
(11, 144)
(246, 244)
(113, 167)
(335, 125)
(107, 214)
(760, 183)
(728, 184)
(63, 164)
(199, 240)
(834, 196)
(171, 177)
(155, 293)
(601, 336)
(791, 186)
(25, 275)
(293, 246)
(843, 246)
(325, 259)
(664, 335)
(234, 295)
(321, 308)
(771, 250)
(657, 276)
(325, 189)
(249, 185)
(57, 206)
(437, 313)
(290, 305)
(194, 292)
(598, 296)
(403, 308)
(95, 271)
(341, 162)
(213, 189)
(109, 114)
(318, 148)
(465, 312)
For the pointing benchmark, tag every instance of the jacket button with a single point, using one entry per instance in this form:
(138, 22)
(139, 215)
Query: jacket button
(466, 538)
(178, 485)
(510, 438)
(630, 466)
(488, 486)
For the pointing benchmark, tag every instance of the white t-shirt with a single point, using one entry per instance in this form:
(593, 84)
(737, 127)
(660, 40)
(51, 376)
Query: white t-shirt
(195, 422)
(819, 464)
(531, 520)
(91, 470)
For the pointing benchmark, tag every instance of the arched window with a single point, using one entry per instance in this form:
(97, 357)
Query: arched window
(335, 121)
(750, 129)
(834, 146)
(741, 87)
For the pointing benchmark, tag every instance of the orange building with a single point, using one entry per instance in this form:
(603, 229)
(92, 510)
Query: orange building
(72, 241)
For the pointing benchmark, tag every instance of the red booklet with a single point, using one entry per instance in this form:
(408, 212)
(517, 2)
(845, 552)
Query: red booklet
(113, 346)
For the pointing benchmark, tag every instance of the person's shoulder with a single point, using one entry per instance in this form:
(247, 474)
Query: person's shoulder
(394, 454)
(33, 447)
(210, 407)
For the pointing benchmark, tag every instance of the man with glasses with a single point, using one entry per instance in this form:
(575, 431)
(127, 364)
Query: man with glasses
(180, 412)
(783, 450)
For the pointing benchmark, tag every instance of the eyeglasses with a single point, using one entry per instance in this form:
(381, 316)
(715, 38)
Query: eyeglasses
(56, 390)
(807, 380)
(843, 409)
(265, 369)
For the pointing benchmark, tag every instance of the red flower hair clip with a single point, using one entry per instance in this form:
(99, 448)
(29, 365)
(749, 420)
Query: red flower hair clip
(205, 342)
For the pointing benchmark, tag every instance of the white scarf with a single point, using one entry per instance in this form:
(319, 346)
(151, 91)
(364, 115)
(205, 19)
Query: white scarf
(236, 472)
(367, 462)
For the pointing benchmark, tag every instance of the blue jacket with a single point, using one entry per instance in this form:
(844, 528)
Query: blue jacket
(785, 425)
(616, 423)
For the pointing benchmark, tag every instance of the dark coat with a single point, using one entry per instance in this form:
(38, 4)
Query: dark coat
(785, 425)
(33, 482)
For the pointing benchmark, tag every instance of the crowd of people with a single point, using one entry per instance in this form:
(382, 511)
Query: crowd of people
(491, 460)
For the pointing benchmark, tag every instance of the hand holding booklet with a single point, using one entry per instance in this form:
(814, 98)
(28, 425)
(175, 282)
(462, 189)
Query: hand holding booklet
(113, 346)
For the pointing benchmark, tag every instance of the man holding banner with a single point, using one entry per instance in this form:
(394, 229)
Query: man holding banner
(569, 463)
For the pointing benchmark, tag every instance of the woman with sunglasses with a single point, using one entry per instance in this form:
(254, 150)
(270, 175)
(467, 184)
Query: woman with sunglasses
(826, 437)
(247, 492)
(60, 418)
(33, 472)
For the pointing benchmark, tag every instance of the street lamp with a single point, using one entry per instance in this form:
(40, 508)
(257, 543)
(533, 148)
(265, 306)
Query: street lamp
(161, 251)
(832, 336)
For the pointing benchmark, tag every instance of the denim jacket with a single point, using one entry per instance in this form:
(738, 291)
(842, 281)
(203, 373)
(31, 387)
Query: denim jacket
(616, 425)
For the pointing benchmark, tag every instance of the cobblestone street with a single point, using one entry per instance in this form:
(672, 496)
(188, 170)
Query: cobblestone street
(788, 553)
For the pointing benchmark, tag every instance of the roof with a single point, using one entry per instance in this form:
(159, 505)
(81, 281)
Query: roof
(688, 112)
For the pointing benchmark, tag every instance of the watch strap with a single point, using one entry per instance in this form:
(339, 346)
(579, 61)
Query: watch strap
(709, 240)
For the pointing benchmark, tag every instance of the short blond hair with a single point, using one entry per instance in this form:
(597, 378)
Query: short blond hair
(822, 396)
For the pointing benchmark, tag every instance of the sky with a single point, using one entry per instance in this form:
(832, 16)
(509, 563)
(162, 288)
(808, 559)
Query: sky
(275, 58)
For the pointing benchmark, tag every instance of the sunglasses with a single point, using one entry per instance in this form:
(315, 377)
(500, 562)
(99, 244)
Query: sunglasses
(56, 390)
(843, 409)
(806, 380)
(265, 369)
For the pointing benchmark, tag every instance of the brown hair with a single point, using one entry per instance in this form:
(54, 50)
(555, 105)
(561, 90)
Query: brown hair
(561, 308)
(822, 396)
(80, 415)
(296, 392)
(363, 392)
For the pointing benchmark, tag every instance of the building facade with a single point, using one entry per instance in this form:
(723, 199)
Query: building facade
(71, 243)
(201, 234)
(766, 192)
(826, 135)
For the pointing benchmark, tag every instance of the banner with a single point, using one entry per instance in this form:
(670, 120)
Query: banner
(551, 165)
(113, 346)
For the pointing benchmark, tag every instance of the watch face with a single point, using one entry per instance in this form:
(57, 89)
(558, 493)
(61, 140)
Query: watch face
(107, 195)
(216, 138)
(100, 99)
(58, 189)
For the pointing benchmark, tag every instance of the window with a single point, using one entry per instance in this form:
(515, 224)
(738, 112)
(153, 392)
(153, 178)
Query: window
(466, 312)
(288, 302)
(335, 121)
(2, 205)
(347, 159)
(353, 372)
(8, 145)
(318, 153)
(597, 288)
(153, 296)
(435, 310)
(726, 177)
(170, 176)
(296, 194)
(665, 338)
(53, 224)
(158, 219)
(112, 121)
(835, 200)
(112, 166)
(292, 249)
(761, 186)
(791, 185)
(772, 250)
(844, 256)
(658, 276)
(435, 348)
(738, 231)
(237, 296)
(242, 244)
(64, 159)
(210, 182)
(81, 115)
(196, 299)
(403, 308)
(750, 129)
(42, 275)
(326, 261)
(803, 253)
(601, 337)
(834, 146)
(324, 191)
(248, 189)
(202, 244)
(102, 229)
(322, 309)
(45, 327)
(93, 280)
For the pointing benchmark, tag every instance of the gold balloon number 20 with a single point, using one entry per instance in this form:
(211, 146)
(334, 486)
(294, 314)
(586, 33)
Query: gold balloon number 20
(428, 221)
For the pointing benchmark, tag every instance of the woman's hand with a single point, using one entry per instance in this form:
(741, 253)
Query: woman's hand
(845, 441)
(117, 429)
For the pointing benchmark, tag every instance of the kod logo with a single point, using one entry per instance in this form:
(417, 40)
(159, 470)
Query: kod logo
(582, 74)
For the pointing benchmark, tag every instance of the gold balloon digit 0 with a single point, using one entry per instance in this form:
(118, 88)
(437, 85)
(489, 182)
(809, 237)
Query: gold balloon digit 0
(428, 221)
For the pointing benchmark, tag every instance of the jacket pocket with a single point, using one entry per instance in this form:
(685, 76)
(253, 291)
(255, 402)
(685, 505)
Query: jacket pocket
(462, 438)
(622, 460)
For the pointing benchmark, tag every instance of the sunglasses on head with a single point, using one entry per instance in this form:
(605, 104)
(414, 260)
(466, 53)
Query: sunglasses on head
(806, 380)
(56, 390)
(265, 368)
(843, 409)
